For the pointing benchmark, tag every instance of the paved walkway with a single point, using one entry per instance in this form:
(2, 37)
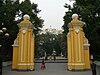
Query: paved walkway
(98, 67)
(52, 68)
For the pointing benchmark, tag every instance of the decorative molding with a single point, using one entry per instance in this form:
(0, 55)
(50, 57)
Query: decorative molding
(86, 44)
(15, 45)
(23, 31)
(76, 30)
(25, 64)
(78, 64)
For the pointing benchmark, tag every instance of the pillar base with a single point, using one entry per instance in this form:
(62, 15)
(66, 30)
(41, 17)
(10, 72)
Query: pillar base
(76, 66)
(22, 70)
(24, 67)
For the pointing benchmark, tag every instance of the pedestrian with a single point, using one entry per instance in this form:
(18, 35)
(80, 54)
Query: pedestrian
(93, 67)
(54, 57)
(46, 57)
(43, 65)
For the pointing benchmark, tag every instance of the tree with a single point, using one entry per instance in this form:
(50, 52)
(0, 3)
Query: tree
(50, 41)
(26, 7)
(7, 18)
(62, 44)
(11, 12)
(1, 2)
(89, 12)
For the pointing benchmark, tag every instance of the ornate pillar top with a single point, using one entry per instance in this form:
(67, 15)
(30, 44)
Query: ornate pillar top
(76, 21)
(26, 23)
(26, 17)
(75, 16)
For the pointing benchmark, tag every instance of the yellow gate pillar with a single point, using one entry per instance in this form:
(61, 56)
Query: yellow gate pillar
(78, 46)
(23, 47)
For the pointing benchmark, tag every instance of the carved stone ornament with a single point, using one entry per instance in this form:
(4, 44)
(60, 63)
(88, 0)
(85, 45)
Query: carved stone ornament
(77, 30)
(23, 31)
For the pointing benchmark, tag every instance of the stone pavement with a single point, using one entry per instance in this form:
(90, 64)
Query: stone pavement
(98, 67)
(51, 69)
(58, 67)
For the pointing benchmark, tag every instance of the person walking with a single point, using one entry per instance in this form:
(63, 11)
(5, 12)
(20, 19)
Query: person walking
(54, 57)
(43, 65)
(93, 67)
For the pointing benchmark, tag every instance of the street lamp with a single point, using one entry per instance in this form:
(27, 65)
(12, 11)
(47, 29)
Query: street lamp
(3, 32)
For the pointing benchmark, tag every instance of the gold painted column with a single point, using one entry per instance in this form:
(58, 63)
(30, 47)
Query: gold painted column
(23, 47)
(78, 48)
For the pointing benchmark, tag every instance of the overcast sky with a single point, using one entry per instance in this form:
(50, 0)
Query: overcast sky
(52, 11)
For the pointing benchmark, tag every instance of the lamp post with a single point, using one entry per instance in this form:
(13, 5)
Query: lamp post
(3, 33)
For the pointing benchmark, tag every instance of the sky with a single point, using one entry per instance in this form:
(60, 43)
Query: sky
(52, 12)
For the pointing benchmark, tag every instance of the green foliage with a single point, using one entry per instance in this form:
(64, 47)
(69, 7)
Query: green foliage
(9, 11)
(51, 42)
(26, 7)
(1, 3)
(48, 42)
(89, 12)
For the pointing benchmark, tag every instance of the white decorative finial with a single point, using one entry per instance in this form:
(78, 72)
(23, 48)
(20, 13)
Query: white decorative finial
(26, 17)
(74, 16)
